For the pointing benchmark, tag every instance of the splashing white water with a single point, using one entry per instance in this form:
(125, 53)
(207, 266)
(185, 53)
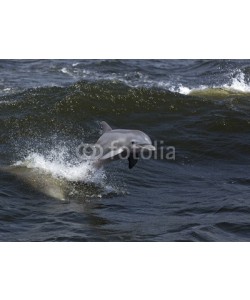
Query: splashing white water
(180, 89)
(58, 173)
(58, 163)
(57, 178)
(56, 167)
(236, 80)
(238, 83)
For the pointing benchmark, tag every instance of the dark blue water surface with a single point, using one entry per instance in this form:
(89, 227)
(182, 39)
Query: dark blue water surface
(199, 107)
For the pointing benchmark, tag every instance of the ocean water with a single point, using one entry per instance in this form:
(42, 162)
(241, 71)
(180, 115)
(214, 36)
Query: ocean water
(199, 107)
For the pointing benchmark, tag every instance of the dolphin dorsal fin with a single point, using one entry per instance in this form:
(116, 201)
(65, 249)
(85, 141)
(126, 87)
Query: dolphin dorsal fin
(105, 127)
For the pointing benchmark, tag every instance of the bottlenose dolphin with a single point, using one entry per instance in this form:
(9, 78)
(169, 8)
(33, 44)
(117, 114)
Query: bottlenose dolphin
(121, 144)
(113, 144)
(40, 181)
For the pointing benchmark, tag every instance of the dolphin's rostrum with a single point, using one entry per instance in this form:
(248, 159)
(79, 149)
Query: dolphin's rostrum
(120, 144)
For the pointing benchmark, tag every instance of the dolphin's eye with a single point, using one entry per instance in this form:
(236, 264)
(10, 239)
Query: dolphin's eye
(133, 142)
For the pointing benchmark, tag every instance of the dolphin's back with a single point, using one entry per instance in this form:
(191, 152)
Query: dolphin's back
(121, 137)
(109, 138)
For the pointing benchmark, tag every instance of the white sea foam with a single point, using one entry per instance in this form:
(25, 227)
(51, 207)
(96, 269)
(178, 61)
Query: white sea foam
(236, 80)
(131, 79)
(184, 90)
(7, 89)
(238, 83)
(65, 71)
(57, 163)
(180, 89)
(55, 167)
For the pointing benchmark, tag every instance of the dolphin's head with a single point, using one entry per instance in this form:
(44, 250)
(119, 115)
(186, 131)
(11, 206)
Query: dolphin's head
(139, 141)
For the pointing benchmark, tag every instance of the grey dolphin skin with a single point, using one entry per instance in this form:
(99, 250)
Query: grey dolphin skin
(122, 144)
